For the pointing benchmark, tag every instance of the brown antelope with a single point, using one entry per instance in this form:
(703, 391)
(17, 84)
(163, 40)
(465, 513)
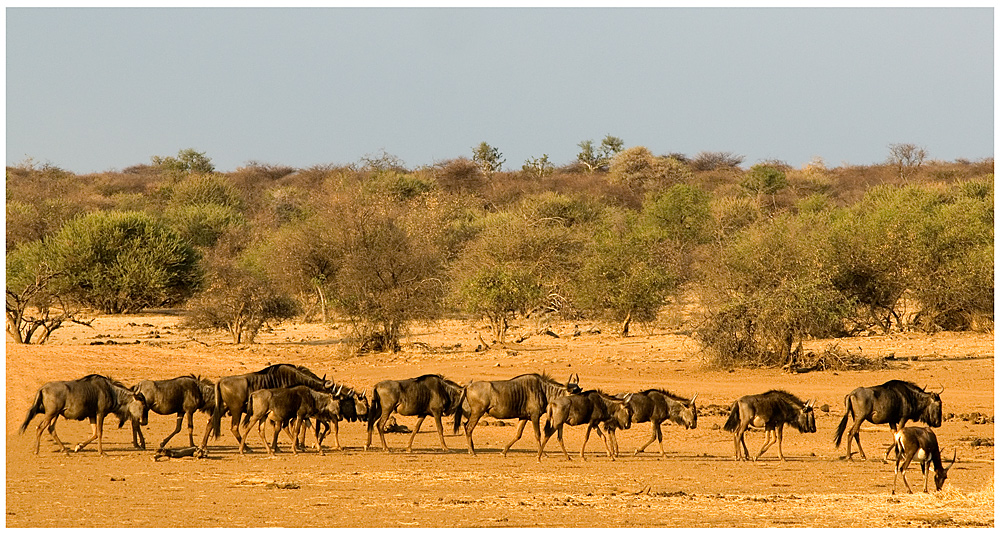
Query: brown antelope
(922, 444)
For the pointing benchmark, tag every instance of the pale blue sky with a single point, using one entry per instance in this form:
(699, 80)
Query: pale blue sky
(100, 89)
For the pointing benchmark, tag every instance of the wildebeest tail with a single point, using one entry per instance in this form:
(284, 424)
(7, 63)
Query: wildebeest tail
(217, 413)
(842, 426)
(458, 410)
(36, 408)
(734, 418)
(374, 410)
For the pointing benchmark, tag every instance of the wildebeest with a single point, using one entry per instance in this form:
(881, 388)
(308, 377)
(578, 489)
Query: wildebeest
(181, 396)
(427, 395)
(920, 443)
(232, 393)
(525, 397)
(287, 407)
(894, 402)
(656, 405)
(593, 408)
(351, 406)
(770, 410)
(92, 397)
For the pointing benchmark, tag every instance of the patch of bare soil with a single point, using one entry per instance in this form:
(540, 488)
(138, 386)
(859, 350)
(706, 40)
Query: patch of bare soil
(697, 483)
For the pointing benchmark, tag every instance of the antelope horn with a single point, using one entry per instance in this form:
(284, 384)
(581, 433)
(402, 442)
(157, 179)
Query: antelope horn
(942, 390)
(810, 403)
(627, 398)
(364, 392)
(953, 459)
(339, 388)
(694, 397)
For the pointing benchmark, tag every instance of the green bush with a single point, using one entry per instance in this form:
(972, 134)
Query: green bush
(770, 289)
(202, 224)
(120, 262)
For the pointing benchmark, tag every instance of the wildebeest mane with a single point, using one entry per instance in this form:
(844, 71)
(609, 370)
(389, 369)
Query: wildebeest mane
(669, 394)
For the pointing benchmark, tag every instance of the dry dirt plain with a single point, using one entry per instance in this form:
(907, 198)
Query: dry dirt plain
(696, 485)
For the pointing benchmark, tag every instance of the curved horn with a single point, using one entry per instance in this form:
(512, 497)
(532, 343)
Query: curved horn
(810, 403)
(339, 388)
(364, 393)
(942, 390)
(694, 397)
(627, 398)
(953, 459)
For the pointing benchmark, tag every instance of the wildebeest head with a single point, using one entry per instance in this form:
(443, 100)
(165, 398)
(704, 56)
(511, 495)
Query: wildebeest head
(573, 384)
(328, 405)
(361, 405)
(932, 412)
(621, 412)
(137, 409)
(807, 418)
(689, 414)
(353, 406)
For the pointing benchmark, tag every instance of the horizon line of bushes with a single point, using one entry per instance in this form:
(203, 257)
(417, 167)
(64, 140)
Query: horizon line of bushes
(774, 254)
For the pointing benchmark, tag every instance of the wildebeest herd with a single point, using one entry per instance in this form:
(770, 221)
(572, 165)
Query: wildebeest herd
(293, 398)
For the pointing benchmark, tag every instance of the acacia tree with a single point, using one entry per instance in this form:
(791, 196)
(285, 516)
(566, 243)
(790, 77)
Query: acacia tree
(390, 265)
(598, 158)
(625, 275)
(489, 159)
(513, 265)
(32, 307)
(240, 300)
(119, 262)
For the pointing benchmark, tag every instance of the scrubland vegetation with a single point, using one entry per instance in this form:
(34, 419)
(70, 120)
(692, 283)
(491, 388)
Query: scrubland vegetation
(770, 254)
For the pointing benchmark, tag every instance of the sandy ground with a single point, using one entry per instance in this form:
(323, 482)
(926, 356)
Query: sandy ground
(698, 484)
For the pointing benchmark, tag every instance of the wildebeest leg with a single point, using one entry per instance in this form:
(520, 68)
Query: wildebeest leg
(234, 426)
(440, 428)
(658, 433)
(470, 425)
(380, 427)
(740, 439)
(538, 432)
(769, 439)
(138, 440)
(779, 430)
(607, 445)
(336, 434)
(648, 442)
(255, 419)
(520, 429)
(295, 437)
(416, 429)
(559, 435)
(49, 422)
(614, 440)
(204, 439)
(273, 447)
(583, 449)
(855, 433)
(177, 429)
(190, 416)
(96, 426)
